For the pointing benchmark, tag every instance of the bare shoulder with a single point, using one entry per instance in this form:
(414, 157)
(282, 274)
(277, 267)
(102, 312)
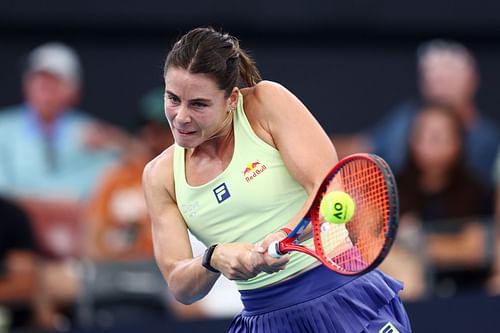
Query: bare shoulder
(268, 98)
(266, 87)
(265, 94)
(269, 102)
(159, 173)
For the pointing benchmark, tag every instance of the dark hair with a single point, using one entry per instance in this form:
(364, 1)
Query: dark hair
(462, 195)
(207, 51)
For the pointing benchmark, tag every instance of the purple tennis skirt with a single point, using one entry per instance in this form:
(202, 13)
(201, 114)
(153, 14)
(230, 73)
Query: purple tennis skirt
(321, 300)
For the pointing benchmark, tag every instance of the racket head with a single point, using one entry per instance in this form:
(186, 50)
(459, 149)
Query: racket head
(364, 241)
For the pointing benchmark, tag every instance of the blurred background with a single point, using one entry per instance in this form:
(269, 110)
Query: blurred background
(81, 112)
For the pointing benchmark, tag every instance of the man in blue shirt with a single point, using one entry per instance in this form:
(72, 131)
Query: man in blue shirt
(42, 141)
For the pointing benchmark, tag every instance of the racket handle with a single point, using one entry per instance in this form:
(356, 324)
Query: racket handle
(274, 250)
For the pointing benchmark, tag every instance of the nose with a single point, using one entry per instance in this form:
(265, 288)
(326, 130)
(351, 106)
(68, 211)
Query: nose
(183, 115)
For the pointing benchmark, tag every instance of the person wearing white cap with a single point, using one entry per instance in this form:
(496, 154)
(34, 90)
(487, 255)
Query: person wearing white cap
(47, 166)
(55, 58)
(49, 132)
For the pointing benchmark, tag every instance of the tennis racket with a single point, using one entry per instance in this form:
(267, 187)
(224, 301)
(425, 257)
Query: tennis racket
(359, 245)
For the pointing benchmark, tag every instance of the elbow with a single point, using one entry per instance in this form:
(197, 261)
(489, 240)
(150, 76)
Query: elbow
(184, 298)
(183, 295)
(168, 270)
(183, 288)
(182, 292)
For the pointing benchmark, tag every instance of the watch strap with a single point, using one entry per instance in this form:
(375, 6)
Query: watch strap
(207, 257)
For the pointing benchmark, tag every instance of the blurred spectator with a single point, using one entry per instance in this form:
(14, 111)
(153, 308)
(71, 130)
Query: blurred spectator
(117, 214)
(435, 172)
(440, 195)
(49, 163)
(448, 74)
(494, 282)
(48, 132)
(45, 161)
(497, 182)
(18, 278)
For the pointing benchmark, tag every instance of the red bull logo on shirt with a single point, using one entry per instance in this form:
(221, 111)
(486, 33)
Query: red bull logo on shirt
(253, 170)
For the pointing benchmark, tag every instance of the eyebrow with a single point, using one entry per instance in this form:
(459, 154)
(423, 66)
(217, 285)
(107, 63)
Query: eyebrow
(194, 100)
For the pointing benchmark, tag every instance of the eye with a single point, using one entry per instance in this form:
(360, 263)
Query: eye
(173, 99)
(199, 105)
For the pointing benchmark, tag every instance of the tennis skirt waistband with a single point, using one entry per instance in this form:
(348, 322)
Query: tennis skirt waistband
(309, 285)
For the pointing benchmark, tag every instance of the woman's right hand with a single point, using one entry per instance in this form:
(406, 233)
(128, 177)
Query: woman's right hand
(243, 261)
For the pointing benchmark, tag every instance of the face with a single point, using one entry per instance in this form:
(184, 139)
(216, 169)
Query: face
(196, 107)
(447, 78)
(435, 143)
(48, 94)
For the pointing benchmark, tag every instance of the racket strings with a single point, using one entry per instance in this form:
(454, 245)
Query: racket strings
(356, 244)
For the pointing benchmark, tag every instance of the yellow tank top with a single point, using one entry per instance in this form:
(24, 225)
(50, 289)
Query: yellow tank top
(253, 197)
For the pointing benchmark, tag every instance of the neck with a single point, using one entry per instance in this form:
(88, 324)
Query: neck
(45, 117)
(47, 123)
(219, 144)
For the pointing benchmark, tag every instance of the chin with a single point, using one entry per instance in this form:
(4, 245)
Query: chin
(185, 143)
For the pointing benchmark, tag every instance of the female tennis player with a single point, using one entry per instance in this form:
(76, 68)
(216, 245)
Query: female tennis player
(247, 160)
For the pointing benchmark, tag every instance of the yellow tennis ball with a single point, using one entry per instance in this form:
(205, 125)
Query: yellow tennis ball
(337, 207)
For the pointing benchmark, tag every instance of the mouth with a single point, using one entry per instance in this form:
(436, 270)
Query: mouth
(184, 132)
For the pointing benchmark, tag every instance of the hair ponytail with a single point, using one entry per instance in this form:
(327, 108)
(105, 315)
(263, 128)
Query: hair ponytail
(249, 74)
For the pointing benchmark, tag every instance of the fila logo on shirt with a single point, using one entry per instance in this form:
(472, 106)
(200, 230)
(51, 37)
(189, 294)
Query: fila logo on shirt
(221, 193)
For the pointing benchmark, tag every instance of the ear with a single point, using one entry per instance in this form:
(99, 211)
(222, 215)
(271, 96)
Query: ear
(232, 100)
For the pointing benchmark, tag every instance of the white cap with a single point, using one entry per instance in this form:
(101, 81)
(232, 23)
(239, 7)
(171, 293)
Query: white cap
(55, 58)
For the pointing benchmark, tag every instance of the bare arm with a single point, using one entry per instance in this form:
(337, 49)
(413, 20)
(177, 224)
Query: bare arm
(187, 279)
(305, 147)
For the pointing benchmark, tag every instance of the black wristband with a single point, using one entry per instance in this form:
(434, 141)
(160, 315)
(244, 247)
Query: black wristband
(207, 257)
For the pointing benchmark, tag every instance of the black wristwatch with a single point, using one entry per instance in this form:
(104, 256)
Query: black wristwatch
(207, 257)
